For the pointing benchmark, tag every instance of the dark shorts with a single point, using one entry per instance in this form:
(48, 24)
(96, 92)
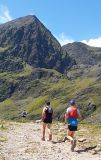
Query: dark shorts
(47, 120)
(72, 128)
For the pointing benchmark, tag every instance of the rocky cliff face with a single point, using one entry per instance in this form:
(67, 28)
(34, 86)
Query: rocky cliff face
(88, 60)
(83, 54)
(26, 40)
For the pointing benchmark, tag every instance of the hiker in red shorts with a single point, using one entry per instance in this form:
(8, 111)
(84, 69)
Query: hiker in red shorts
(71, 118)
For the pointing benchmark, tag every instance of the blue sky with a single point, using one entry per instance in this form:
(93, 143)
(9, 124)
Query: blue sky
(68, 20)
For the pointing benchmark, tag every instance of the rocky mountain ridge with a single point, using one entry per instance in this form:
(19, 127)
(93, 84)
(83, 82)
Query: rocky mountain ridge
(83, 54)
(26, 40)
(88, 60)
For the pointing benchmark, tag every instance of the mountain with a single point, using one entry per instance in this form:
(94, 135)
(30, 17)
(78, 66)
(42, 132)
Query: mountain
(27, 40)
(34, 68)
(86, 76)
(31, 62)
(83, 54)
(88, 60)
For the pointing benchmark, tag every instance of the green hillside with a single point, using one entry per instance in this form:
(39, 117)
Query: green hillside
(35, 92)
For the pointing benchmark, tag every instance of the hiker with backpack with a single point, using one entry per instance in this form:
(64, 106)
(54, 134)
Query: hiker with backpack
(47, 116)
(71, 118)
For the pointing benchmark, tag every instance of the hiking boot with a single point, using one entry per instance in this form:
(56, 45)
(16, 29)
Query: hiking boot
(74, 143)
(50, 137)
(72, 148)
(65, 139)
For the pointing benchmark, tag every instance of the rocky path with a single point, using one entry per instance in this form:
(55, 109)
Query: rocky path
(23, 142)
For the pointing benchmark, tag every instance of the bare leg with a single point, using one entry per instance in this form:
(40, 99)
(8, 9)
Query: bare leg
(70, 136)
(74, 139)
(49, 131)
(43, 131)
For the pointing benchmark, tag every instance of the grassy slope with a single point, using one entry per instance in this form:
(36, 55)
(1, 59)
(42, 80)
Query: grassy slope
(84, 90)
(56, 92)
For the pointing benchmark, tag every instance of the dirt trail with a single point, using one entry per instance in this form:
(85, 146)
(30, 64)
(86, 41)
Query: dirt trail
(24, 143)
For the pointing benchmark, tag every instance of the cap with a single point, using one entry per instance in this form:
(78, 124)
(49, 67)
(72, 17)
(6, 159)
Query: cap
(72, 102)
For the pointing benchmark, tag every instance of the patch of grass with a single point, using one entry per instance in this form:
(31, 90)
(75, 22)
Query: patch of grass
(21, 103)
(55, 103)
(12, 76)
(36, 104)
(84, 83)
(26, 71)
(22, 120)
(8, 110)
(62, 83)
(98, 110)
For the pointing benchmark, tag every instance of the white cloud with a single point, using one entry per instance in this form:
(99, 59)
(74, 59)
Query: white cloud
(63, 39)
(4, 14)
(93, 42)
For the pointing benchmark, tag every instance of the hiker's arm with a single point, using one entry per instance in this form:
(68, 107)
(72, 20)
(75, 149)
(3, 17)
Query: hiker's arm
(66, 116)
(53, 115)
(43, 114)
(79, 115)
(65, 119)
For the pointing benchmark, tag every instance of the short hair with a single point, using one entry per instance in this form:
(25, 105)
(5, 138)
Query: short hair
(48, 103)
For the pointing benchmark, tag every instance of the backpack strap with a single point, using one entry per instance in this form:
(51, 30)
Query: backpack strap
(73, 112)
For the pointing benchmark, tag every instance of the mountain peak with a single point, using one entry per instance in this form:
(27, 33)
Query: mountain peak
(22, 21)
(82, 53)
(28, 18)
(26, 39)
